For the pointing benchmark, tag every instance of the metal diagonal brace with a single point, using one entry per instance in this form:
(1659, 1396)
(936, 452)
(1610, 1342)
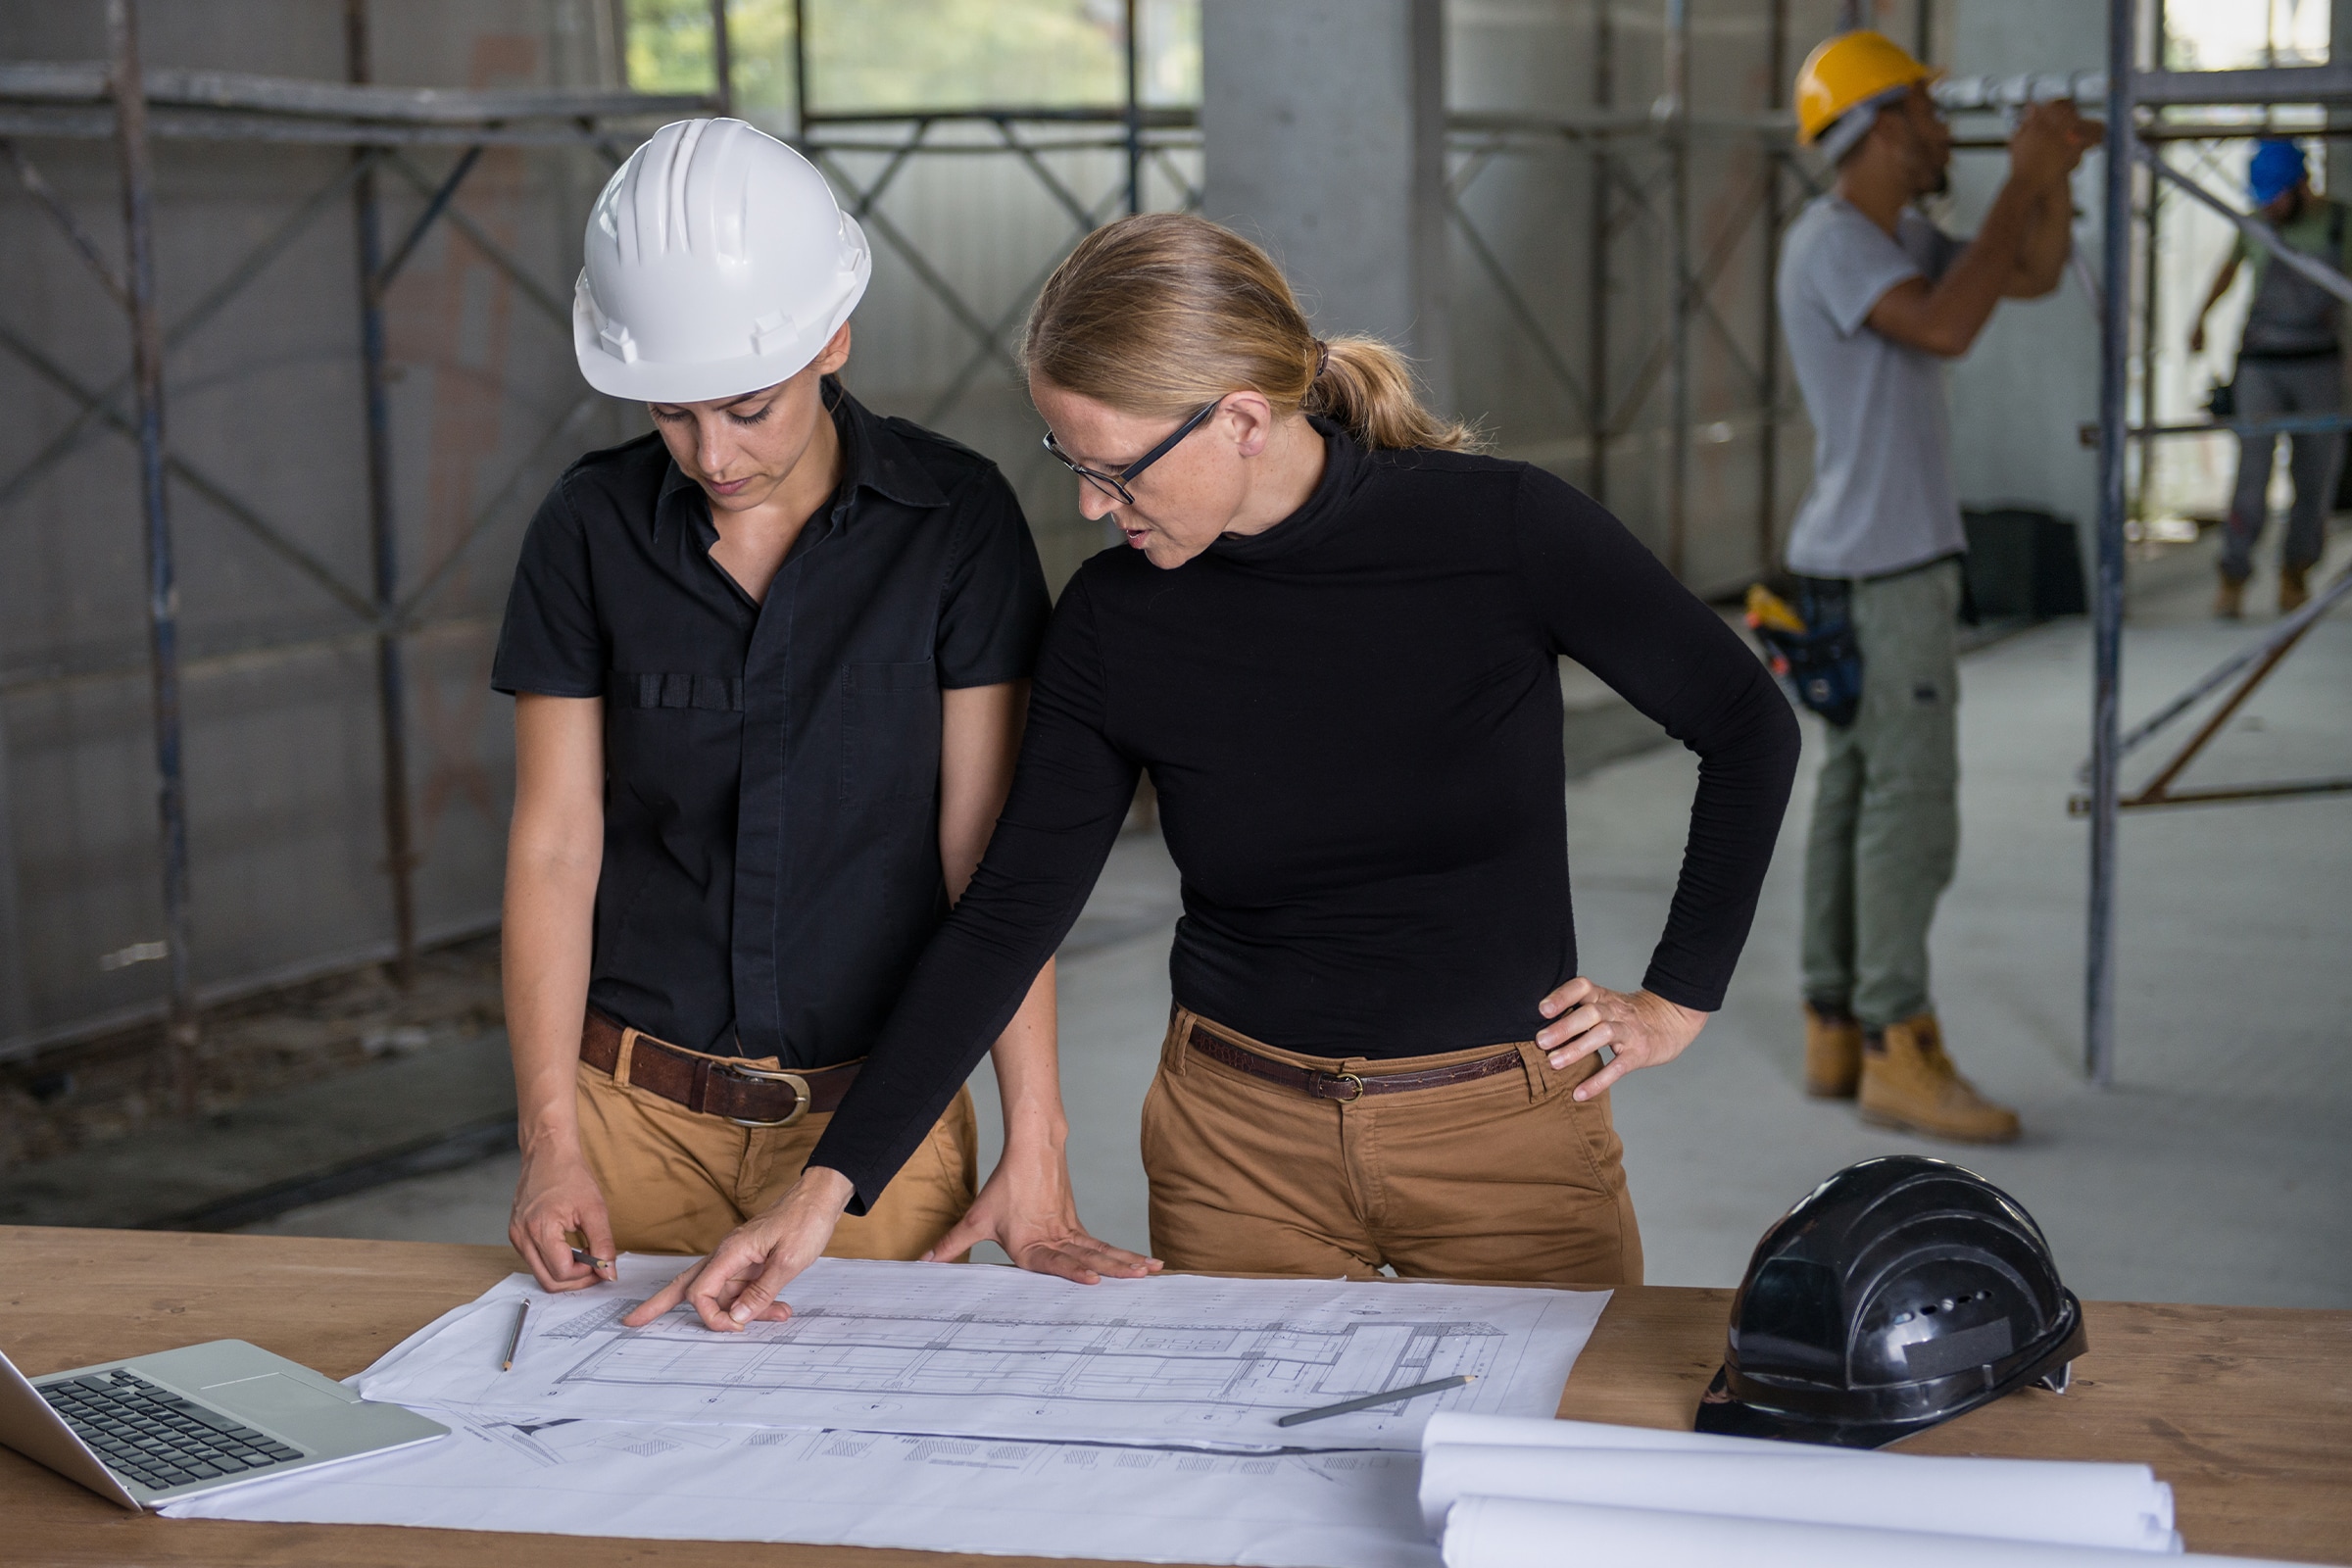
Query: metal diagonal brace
(404, 614)
(203, 311)
(1012, 313)
(424, 222)
(1517, 305)
(2261, 233)
(41, 191)
(912, 254)
(2266, 648)
(244, 515)
(554, 308)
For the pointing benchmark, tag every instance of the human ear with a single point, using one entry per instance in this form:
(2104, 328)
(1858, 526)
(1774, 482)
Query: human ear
(835, 354)
(1251, 419)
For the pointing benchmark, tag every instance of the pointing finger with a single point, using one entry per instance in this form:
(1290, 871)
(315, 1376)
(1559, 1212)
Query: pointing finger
(661, 1300)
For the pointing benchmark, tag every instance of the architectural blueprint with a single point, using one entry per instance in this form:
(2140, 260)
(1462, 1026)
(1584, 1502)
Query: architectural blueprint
(737, 1483)
(975, 1351)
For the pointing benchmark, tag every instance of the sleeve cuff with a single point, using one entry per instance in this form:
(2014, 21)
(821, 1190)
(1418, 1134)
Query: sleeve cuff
(1682, 993)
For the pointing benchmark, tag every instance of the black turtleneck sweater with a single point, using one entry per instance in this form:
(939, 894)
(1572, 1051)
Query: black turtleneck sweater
(1353, 721)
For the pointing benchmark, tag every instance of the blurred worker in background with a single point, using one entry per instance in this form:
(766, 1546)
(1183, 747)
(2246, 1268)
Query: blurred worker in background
(1874, 298)
(769, 666)
(2289, 361)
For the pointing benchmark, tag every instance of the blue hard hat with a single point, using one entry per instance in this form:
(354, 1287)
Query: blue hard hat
(2277, 169)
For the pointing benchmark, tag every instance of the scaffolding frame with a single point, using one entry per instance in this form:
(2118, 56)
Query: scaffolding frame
(2127, 90)
(384, 126)
(120, 101)
(387, 127)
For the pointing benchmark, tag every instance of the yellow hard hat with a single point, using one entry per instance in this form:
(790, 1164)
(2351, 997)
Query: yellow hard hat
(1850, 68)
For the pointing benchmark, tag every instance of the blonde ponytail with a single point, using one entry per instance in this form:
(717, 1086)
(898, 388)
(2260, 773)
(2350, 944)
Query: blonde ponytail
(1158, 313)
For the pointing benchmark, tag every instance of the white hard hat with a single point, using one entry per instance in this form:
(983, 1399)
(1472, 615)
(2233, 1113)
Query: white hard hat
(717, 264)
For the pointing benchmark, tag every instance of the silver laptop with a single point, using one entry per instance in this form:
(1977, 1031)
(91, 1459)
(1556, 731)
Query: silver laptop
(158, 1428)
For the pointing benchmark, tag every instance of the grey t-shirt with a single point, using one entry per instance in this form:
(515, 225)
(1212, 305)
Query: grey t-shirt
(1882, 497)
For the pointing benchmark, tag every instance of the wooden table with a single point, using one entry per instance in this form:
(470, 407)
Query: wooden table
(2247, 1411)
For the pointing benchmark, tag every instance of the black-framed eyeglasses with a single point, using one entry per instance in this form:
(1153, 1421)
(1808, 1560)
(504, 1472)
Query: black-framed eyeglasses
(1115, 485)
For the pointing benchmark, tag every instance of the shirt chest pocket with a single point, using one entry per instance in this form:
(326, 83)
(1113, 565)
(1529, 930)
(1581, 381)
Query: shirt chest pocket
(890, 732)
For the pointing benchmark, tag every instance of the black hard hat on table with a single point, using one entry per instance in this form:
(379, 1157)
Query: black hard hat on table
(1898, 1294)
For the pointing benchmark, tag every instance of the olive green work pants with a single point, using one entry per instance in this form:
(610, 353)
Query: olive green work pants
(1885, 829)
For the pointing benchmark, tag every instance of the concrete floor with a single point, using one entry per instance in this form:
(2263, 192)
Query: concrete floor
(2215, 1170)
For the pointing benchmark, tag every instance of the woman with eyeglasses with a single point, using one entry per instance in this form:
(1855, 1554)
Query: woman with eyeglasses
(1333, 645)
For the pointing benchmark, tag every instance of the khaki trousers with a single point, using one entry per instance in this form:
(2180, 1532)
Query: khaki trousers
(676, 1183)
(1505, 1179)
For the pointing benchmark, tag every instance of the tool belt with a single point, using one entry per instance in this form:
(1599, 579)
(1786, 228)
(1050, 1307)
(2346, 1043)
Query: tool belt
(714, 1086)
(1346, 1086)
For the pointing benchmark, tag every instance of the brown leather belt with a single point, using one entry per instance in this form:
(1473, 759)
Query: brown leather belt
(1347, 1086)
(715, 1086)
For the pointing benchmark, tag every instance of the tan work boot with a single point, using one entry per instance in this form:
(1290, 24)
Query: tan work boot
(2291, 592)
(1832, 1053)
(2230, 599)
(1908, 1082)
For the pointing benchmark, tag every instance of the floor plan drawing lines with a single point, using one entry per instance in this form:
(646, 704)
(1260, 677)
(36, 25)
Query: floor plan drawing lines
(979, 1351)
(1277, 1366)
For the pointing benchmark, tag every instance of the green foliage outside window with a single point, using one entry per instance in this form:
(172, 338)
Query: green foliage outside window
(904, 54)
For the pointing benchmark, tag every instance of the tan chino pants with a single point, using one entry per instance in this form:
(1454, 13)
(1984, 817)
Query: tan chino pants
(677, 1182)
(1506, 1179)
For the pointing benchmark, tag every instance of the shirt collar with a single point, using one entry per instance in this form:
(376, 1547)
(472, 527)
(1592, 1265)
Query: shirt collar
(874, 457)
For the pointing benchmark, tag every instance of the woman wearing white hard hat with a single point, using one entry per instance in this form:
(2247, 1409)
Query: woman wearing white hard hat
(769, 666)
(1335, 646)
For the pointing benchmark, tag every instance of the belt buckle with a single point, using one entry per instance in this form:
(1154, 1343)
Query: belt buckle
(769, 1076)
(1345, 1078)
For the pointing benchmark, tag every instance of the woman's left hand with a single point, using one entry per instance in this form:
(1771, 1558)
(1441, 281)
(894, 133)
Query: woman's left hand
(1640, 1027)
(1026, 1207)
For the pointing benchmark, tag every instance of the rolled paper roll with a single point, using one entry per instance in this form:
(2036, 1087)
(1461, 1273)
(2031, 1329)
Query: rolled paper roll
(2117, 1505)
(1520, 1532)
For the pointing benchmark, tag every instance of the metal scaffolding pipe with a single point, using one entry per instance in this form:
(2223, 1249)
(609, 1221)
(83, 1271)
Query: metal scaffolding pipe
(722, 59)
(391, 679)
(2150, 89)
(2107, 634)
(1674, 123)
(162, 588)
(1596, 296)
(1134, 137)
(1768, 372)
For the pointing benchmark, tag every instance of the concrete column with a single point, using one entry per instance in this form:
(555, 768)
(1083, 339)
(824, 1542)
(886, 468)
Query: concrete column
(1325, 129)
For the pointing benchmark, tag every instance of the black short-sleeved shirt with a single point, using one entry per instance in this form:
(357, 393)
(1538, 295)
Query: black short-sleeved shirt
(771, 768)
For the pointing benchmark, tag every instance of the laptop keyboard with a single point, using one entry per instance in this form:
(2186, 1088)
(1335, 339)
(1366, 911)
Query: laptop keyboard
(154, 1436)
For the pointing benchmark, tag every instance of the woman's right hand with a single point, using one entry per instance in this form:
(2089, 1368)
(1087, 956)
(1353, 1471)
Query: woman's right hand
(558, 1196)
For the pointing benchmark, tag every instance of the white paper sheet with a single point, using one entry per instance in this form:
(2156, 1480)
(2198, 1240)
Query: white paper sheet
(2117, 1505)
(1514, 1533)
(1528, 1432)
(738, 1483)
(974, 1351)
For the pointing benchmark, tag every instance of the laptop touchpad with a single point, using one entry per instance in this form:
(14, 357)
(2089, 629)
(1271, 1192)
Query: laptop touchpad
(274, 1399)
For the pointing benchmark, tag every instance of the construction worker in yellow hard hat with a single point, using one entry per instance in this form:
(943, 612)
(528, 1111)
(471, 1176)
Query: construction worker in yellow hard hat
(1845, 72)
(1874, 298)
